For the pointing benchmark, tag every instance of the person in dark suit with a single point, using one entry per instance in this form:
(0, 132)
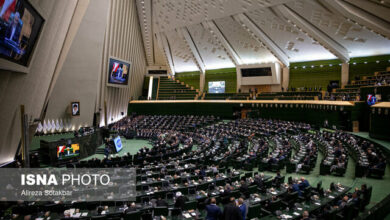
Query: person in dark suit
(131, 208)
(295, 187)
(304, 183)
(277, 179)
(14, 28)
(242, 207)
(213, 211)
(231, 211)
(161, 202)
(355, 200)
(180, 200)
(244, 189)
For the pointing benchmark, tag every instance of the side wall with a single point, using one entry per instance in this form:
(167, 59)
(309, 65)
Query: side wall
(365, 66)
(190, 78)
(31, 89)
(78, 79)
(314, 74)
(123, 40)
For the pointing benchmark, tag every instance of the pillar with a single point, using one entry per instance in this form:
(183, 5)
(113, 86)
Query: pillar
(285, 77)
(344, 74)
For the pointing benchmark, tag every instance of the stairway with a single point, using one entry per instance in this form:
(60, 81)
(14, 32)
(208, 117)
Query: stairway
(170, 89)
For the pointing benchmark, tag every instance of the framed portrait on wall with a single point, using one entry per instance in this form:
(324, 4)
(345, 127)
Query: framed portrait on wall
(75, 108)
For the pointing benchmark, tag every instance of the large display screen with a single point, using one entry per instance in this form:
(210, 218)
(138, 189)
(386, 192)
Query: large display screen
(118, 144)
(20, 25)
(255, 72)
(66, 151)
(119, 72)
(217, 87)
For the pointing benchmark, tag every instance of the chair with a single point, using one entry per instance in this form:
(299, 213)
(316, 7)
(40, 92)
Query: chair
(114, 216)
(252, 189)
(132, 216)
(254, 211)
(275, 205)
(268, 184)
(190, 205)
(97, 217)
(146, 216)
(175, 212)
(158, 211)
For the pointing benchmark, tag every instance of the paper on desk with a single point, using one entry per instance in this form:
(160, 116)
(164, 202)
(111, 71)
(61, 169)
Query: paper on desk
(186, 215)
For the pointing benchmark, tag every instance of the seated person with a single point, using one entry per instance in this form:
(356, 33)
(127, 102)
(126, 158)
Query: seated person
(161, 202)
(180, 200)
(304, 183)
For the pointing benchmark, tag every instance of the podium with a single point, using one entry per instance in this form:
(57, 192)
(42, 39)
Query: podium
(87, 143)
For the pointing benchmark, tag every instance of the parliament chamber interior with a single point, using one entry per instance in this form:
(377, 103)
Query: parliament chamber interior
(195, 109)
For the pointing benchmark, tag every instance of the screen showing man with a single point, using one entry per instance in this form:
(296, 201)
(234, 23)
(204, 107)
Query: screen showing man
(217, 87)
(19, 27)
(75, 108)
(118, 72)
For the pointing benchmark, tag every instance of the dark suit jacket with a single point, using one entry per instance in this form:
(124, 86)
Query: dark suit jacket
(213, 212)
(161, 203)
(231, 212)
(180, 202)
(18, 29)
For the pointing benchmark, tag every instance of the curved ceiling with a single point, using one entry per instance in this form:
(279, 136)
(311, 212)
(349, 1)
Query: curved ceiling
(211, 34)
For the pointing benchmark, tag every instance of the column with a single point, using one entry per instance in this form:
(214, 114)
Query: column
(344, 74)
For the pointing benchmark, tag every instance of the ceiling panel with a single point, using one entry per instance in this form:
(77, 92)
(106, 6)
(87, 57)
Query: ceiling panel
(179, 13)
(294, 43)
(234, 41)
(182, 57)
(358, 40)
(249, 50)
(212, 53)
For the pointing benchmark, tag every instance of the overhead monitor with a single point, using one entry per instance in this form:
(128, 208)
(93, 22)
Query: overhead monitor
(217, 87)
(20, 25)
(118, 72)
